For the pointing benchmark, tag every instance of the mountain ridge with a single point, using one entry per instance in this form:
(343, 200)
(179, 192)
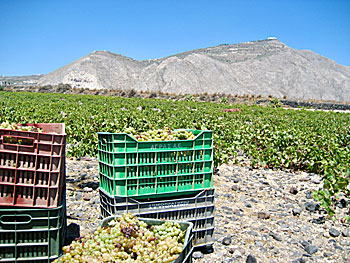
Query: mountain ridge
(262, 67)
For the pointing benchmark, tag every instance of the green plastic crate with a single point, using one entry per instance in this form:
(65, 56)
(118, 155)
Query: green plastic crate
(32, 235)
(186, 255)
(131, 168)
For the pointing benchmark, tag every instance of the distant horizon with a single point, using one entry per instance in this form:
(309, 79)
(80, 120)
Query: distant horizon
(41, 36)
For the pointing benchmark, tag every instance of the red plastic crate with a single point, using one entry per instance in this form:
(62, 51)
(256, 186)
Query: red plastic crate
(32, 166)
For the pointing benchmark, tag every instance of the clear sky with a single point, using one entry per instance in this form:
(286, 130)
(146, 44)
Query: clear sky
(39, 36)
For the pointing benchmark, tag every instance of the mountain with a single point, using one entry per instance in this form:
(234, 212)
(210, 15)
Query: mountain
(264, 67)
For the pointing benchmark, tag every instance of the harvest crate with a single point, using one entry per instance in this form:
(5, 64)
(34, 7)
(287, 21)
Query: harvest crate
(197, 209)
(32, 166)
(32, 235)
(186, 255)
(131, 168)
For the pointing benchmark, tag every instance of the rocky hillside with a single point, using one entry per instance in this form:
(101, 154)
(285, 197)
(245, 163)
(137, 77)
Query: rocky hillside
(266, 67)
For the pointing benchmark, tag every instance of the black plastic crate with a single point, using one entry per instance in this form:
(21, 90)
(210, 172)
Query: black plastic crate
(198, 209)
(32, 235)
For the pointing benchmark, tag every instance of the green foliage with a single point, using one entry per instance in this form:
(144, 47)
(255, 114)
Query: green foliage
(275, 103)
(223, 100)
(317, 142)
(2, 88)
(189, 97)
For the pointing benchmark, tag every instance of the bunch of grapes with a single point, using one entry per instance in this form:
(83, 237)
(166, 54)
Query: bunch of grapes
(165, 134)
(126, 239)
(18, 127)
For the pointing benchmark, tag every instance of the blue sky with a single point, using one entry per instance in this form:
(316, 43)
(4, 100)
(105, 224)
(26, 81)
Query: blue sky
(40, 36)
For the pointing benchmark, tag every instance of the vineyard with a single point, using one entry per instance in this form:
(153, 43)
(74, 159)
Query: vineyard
(316, 142)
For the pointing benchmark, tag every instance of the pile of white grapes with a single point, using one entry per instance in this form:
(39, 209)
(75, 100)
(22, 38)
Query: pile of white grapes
(18, 127)
(126, 239)
(165, 134)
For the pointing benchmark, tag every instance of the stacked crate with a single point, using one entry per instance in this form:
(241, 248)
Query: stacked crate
(32, 193)
(159, 179)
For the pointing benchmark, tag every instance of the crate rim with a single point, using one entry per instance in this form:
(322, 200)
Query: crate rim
(40, 125)
(132, 137)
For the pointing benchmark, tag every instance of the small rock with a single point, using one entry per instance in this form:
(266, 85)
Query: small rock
(334, 232)
(251, 259)
(235, 188)
(309, 194)
(327, 254)
(333, 242)
(258, 243)
(236, 254)
(296, 211)
(346, 232)
(320, 220)
(227, 260)
(83, 176)
(275, 236)
(253, 233)
(226, 241)
(236, 180)
(79, 215)
(78, 196)
(305, 243)
(311, 249)
(248, 205)
(197, 254)
(263, 215)
(293, 190)
(253, 200)
(338, 247)
(87, 196)
(311, 206)
(299, 260)
(87, 189)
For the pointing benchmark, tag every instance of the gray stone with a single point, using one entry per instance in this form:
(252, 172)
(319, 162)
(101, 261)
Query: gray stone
(275, 236)
(263, 215)
(87, 196)
(346, 232)
(251, 259)
(327, 254)
(235, 188)
(311, 249)
(309, 194)
(197, 254)
(236, 180)
(253, 233)
(226, 241)
(299, 260)
(258, 243)
(305, 243)
(296, 211)
(88, 189)
(78, 196)
(312, 206)
(320, 220)
(293, 190)
(334, 232)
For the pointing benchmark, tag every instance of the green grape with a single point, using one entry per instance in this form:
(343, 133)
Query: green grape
(161, 135)
(126, 239)
(18, 127)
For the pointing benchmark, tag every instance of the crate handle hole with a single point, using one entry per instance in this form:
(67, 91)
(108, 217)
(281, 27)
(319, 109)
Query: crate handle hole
(15, 219)
(16, 140)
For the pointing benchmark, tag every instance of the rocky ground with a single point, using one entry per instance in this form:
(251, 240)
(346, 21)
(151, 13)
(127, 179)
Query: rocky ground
(261, 215)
